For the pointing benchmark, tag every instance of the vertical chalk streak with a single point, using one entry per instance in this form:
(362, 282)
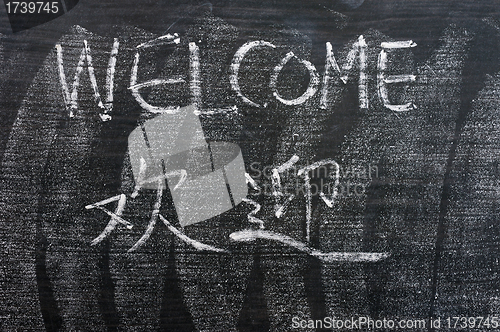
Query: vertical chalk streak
(194, 70)
(235, 67)
(110, 75)
(62, 77)
(113, 221)
(362, 84)
(154, 218)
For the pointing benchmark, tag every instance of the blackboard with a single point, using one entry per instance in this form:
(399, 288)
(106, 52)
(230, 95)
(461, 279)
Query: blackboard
(250, 166)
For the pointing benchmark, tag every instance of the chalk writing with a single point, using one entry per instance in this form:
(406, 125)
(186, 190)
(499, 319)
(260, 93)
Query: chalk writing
(146, 158)
(71, 99)
(247, 234)
(332, 70)
(383, 80)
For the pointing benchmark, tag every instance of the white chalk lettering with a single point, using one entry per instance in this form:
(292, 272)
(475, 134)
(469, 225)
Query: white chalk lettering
(135, 87)
(383, 80)
(331, 66)
(311, 89)
(235, 67)
(71, 99)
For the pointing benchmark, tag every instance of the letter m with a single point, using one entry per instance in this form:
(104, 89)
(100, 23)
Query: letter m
(331, 67)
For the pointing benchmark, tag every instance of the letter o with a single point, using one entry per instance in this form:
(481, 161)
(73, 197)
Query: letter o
(311, 89)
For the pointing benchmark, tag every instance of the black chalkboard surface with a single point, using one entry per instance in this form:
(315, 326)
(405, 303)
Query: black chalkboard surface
(250, 165)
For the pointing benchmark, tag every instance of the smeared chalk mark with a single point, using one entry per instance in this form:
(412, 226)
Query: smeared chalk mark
(110, 75)
(336, 13)
(167, 39)
(383, 80)
(432, 70)
(134, 87)
(400, 79)
(195, 244)
(307, 185)
(229, 111)
(154, 218)
(398, 44)
(235, 67)
(113, 221)
(251, 215)
(194, 70)
(252, 235)
(313, 81)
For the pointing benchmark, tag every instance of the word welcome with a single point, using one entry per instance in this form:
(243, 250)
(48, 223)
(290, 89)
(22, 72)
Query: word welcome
(332, 71)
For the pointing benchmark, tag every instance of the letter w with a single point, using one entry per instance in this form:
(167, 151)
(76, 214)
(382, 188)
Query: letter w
(71, 99)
